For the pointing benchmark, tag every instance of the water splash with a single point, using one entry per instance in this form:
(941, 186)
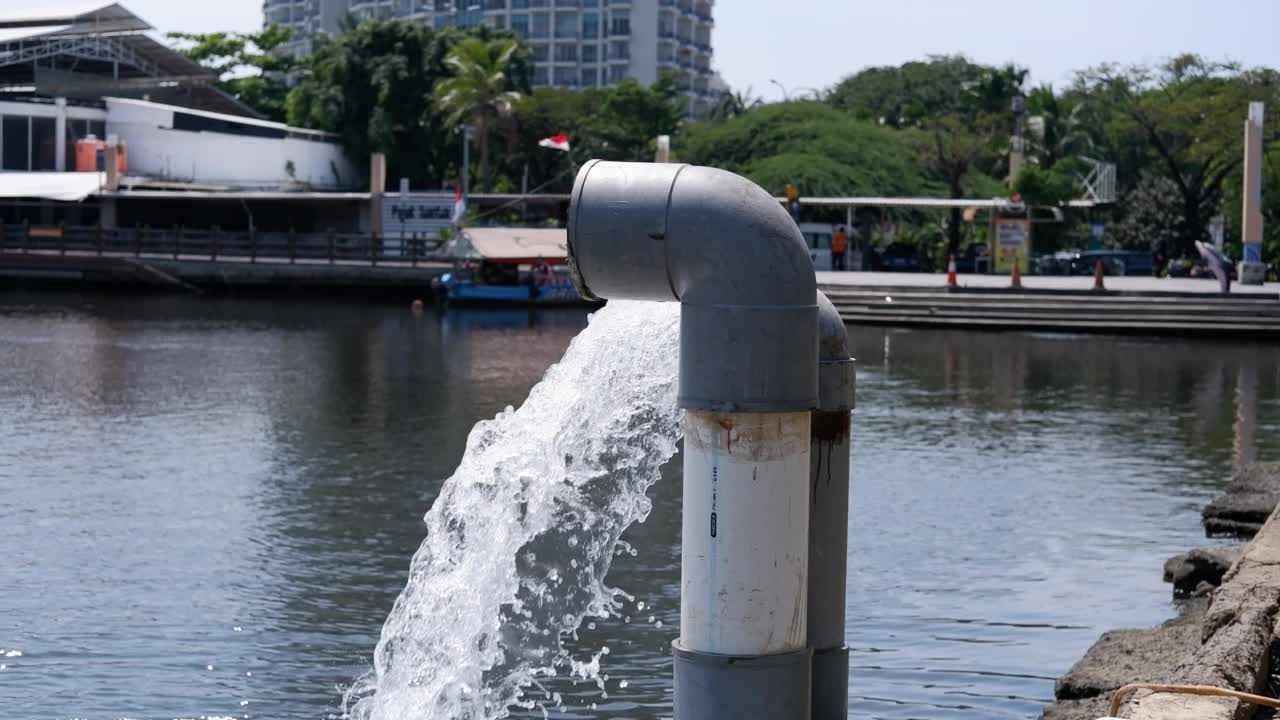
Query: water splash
(522, 535)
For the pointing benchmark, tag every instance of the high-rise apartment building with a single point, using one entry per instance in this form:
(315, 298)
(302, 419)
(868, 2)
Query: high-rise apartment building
(575, 43)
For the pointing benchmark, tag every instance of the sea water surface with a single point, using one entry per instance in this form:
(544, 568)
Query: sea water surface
(208, 506)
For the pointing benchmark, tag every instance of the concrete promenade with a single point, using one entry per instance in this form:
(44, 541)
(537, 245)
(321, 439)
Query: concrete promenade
(1174, 307)
(1041, 283)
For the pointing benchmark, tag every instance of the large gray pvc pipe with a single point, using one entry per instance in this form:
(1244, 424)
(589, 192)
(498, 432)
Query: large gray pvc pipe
(734, 259)
(829, 516)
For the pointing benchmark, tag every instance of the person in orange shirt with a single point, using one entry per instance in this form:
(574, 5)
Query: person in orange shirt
(839, 246)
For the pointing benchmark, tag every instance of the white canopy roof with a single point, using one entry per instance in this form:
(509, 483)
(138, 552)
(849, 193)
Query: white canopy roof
(60, 186)
(510, 245)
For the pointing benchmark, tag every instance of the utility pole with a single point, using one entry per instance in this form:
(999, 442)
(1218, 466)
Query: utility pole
(1252, 269)
(466, 162)
(1017, 144)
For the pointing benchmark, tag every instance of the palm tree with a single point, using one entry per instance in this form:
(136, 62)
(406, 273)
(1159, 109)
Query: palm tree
(732, 104)
(477, 93)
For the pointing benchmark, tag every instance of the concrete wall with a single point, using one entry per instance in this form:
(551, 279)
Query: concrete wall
(156, 150)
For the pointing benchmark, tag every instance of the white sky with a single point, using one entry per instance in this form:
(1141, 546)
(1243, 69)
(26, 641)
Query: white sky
(814, 43)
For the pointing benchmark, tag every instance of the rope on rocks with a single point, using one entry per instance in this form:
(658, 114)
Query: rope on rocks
(1117, 698)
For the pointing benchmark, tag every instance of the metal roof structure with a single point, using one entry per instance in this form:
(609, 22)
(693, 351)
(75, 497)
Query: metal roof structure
(90, 50)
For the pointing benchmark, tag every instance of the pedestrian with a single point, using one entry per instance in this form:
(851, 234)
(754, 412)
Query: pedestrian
(839, 246)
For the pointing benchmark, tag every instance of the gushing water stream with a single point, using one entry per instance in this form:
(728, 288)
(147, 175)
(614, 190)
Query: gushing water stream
(522, 535)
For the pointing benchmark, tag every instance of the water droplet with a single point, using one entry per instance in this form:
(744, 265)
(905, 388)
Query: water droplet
(208, 667)
(593, 706)
(591, 626)
(243, 703)
(249, 673)
(573, 563)
(640, 605)
(236, 628)
(573, 541)
(13, 653)
(623, 684)
(658, 624)
(604, 650)
(3, 666)
(626, 619)
(652, 618)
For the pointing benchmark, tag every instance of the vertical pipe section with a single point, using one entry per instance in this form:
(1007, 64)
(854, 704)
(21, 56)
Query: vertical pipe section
(829, 516)
(741, 651)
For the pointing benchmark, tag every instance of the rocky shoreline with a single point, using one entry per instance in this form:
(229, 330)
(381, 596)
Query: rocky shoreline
(1228, 598)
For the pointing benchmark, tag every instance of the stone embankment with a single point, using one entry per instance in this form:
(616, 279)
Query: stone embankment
(1229, 599)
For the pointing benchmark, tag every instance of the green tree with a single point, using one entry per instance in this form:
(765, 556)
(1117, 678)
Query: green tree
(1180, 121)
(821, 150)
(374, 86)
(479, 92)
(906, 95)
(246, 65)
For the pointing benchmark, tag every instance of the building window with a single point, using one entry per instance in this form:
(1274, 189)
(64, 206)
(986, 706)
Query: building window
(620, 50)
(541, 52)
(495, 4)
(566, 53)
(620, 22)
(44, 141)
(567, 3)
(520, 24)
(566, 77)
(590, 53)
(590, 77)
(567, 25)
(519, 4)
(499, 21)
(540, 75)
(15, 142)
(590, 25)
(617, 73)
(538, 3)
(541, 26)
(590, 3)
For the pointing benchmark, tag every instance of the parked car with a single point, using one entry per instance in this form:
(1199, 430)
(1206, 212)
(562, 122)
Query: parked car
(900, 257)
(1114, 262)
(1058, 263)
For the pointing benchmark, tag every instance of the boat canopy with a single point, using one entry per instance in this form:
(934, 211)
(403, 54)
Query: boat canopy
(509, 246)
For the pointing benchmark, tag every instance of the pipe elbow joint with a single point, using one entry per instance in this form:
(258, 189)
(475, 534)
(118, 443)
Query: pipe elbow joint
(729, 253)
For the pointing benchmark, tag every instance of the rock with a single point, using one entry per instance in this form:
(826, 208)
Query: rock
(1121, 657)
(1087, 709)
(1246, 503)
(1189, 571)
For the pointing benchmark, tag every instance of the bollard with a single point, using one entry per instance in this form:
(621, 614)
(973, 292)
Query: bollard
(829, 516)
(1015, 277)
(740, 268)
(951, 272)
(1098, 273)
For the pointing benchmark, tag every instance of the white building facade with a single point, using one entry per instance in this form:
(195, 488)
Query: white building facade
(575, 43)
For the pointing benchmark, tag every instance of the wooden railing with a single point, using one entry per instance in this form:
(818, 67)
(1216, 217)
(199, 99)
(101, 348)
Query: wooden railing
(213, 244)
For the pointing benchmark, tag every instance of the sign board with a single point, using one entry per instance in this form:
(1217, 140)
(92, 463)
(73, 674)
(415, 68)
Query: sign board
(1013, 244)
(414, 216)
(1097, 232)
(1217, 231)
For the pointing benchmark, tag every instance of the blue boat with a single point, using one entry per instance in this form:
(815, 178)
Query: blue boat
(507, 266)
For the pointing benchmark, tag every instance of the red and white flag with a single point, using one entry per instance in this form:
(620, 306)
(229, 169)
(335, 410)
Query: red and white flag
(459, 207)
(556, 142)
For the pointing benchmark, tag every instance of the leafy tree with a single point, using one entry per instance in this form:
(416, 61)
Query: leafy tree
(904, 96)
(374, 86)
(1180, 121)
(1056, 131)
(478, 91)
(821, 150)
(246, 65)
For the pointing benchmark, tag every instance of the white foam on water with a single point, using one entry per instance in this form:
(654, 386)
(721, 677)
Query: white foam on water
(522, 535)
